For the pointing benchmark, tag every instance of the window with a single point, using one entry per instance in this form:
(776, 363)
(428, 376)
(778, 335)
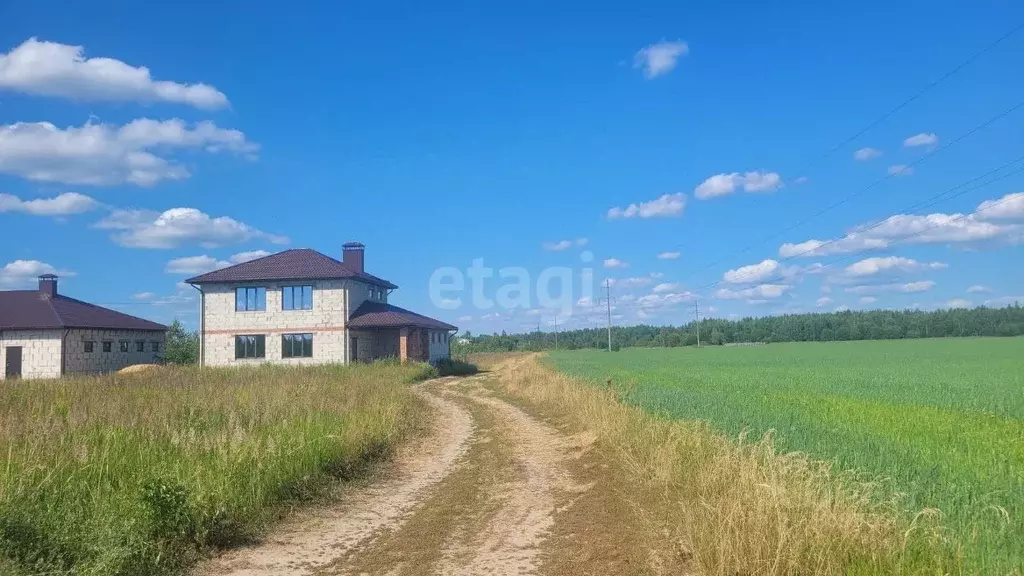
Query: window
(107, 346)
(123, 345)
(250, 346)
(297, 298)
(140, 345)
(297, 346)
(156, 345)
(89, 347)
(250, 299)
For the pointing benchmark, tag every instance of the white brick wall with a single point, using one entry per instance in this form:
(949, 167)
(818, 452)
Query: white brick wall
(40, 352)
(438, 345)
(77, 360)
(326, 321)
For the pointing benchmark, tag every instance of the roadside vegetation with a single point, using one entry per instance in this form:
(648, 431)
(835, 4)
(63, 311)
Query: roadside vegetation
(936, 424)
(141, 473)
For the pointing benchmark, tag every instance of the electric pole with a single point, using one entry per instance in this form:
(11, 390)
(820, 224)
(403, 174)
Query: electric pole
(556, 331)
(608, 302)
(696, 315)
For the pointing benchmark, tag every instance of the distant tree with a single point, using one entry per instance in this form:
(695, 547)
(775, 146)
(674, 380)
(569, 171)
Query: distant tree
(181, 346)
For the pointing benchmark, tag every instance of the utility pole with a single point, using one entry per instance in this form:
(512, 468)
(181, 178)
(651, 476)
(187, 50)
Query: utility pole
(696, 314)
(608, 302)
(556, 331)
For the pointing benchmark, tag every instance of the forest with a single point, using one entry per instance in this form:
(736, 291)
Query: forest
(823, 327)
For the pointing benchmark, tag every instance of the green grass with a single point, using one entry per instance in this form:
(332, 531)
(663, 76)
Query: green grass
(940, 421)
(139, 474)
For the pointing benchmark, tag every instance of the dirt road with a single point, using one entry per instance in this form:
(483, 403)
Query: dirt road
(491, 490)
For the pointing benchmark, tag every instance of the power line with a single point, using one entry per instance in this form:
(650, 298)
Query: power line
(870, 186)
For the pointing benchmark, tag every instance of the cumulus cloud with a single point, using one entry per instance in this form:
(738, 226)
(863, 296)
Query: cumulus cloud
(759, 292)
(958, 303)
(866, 154)
(868, 299)
(559, 245)
(922, 139)
(143, 296)
(102, 154)
(64, 204)
(659, 59)
(823, 301)
(664, 300)
(204, 263)
(908, 288)
(723, 184)
(668, 255)
(889, 264)
(665, 287)
(977, 289)
(629, 283)
(1004, 301)
(58, 70)
(937, 228)
(768, 270)
(665, 205)
(179, 227)
(615, 263)
(900, 170)
(24, 273)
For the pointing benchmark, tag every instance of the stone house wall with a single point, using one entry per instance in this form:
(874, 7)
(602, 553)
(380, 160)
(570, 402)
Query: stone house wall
(40, 352)
(77, 360)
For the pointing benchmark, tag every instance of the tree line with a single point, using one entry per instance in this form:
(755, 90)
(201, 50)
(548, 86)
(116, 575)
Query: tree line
(823, 327)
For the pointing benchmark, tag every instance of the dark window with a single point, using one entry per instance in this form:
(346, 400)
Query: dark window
(297, 346)
(297, 298)
(250, 346)
(89, 347)
(124, 345)
(250, 299)
(156, 346)
(140, 345)
(107, 346)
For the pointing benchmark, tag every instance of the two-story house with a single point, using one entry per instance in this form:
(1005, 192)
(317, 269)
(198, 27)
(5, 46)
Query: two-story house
(304, 307)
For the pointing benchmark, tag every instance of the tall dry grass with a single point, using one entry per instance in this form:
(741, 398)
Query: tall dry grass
(733, 507)
(137, 474)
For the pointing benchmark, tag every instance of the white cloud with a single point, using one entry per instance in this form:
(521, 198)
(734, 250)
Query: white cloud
(922, 139)
(665, 205)
(668, 255)
(759, 292)
(665, 287)
(1004, 301)
(823, 301)
(60, 70)
(881, 265)
(64, 204)
(958, 303)
(842, 308)
(24, 273)
(629, 283)
(937, 228)
(1009, 207)
(976, 289)
(866, 154)
(664, 300)
(204, 263)
(908, 288)
(723, 184)
(753, 273)
(659, 59)
(557, 246)
(900, 170)
(101, 154)
(179, 227)
(868, 300)
(615, 263)
(465, 319)
(585, 302)
(143, 296)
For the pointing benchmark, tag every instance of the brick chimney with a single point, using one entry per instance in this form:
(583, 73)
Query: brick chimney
(48, 284)
(352, 256)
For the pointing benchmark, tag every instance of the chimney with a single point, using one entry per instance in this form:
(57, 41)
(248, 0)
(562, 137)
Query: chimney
(48, 284)
(352, 256)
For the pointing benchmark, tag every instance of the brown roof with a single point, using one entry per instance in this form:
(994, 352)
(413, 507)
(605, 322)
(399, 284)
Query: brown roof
(296, 264)
(35, 310)
(381, 315)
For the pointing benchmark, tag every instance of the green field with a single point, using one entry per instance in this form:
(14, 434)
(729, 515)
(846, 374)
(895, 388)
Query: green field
(940, 421)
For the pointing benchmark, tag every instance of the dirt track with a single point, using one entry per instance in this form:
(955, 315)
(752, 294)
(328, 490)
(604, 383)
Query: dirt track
(491, 490)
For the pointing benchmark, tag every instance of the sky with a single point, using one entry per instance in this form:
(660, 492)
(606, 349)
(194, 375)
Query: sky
(753, 158)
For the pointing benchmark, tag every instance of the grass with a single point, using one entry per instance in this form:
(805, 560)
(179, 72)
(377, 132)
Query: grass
(939, 422)
(729, 507)
(141, 473)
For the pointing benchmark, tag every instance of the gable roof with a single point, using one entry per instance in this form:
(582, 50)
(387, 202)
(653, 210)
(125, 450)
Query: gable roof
(382, 315)
(295, 264)
(35, 310)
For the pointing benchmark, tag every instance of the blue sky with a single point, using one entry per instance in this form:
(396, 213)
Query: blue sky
(438, 134)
